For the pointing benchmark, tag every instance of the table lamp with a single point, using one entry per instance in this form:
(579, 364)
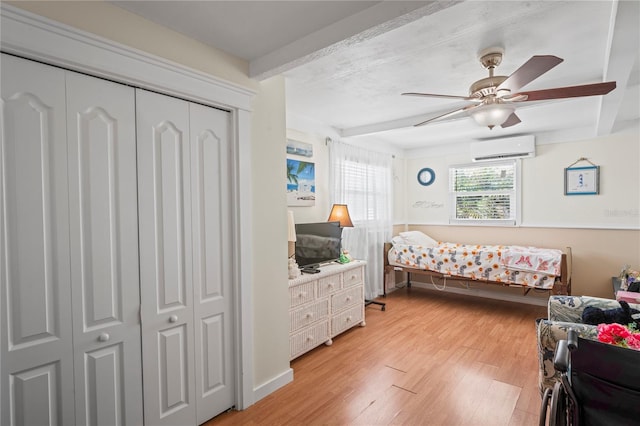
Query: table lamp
(294, 271)
(340, 213)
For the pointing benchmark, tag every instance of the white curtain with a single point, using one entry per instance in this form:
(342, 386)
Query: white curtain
(362, 180)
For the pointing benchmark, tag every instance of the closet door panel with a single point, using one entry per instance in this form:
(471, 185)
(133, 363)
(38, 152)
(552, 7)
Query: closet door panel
(104, 248)
(34, 247)
(210, 153)
(165, 258)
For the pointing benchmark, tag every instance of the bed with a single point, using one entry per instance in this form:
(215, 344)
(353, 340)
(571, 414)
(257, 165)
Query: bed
(507, 265)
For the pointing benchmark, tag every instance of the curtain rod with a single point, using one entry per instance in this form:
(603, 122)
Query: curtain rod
(328, 140)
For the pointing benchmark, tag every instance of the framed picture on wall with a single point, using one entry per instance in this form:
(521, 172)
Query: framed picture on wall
(301, 183)
(299, 148)
(582, 180)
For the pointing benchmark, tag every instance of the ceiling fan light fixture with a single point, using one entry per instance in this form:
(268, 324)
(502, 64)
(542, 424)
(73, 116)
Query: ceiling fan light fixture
(491, 115)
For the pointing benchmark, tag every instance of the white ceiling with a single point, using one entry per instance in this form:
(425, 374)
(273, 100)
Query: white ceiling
(346, 62)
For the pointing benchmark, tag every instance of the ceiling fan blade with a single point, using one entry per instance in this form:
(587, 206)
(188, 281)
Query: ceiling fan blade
(446, 114)
(433, 95)
(511, 121)
(529, 71)
(569, 91)
(516, 97)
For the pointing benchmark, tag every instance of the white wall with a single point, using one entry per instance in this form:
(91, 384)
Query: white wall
(543, 199)
(270, 285)
(270, 296)
(616, 206)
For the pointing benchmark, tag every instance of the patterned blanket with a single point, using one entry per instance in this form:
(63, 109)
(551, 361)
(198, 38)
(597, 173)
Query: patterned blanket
(511, 265)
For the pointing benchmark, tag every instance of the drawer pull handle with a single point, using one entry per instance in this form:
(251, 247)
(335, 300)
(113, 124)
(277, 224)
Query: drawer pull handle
(353, 277)
(302, 294)
(349, 318)
(309, 315)
(103, 337)
(173, 318)
(348, 298)
(309, 338)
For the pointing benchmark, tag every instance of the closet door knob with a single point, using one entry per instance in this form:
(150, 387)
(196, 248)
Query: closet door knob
(103, 337)
(173, 318)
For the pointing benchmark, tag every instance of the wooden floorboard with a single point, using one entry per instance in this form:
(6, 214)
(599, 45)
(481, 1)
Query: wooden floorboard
(432, 358)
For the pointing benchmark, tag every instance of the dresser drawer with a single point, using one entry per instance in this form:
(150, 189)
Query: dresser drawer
(352, 277)
(346, 319)
(328, 285)
(308, 314)
(346, 298)
(302, 293)
(309, 338)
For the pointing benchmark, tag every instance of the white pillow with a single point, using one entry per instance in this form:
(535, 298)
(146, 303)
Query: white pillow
(417, 238)
(397, 241)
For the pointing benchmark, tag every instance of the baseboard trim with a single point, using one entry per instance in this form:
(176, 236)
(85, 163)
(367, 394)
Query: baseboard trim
(477, 292)
(272, 385)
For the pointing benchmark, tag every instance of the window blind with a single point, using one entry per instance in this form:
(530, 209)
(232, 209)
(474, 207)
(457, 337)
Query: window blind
(484, 192)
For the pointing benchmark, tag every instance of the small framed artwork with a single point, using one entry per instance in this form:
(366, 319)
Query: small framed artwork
(582, 180)
(299, 148)
(301, 183)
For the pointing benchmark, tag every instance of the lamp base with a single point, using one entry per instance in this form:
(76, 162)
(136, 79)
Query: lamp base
(294, 271)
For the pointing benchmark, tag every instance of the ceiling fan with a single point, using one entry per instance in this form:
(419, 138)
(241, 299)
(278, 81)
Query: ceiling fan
(494, 98)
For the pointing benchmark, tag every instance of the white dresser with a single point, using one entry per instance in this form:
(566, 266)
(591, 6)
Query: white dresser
(324, 305)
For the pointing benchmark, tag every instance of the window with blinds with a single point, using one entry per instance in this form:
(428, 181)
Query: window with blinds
(484, 193)
(361, 183)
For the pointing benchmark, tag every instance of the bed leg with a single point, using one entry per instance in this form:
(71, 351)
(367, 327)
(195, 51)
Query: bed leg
(561, 288)
(408, 279)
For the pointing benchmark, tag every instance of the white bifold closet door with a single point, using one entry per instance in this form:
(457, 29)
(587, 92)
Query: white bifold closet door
(104, 251)
(70, 286)
(37, 352)
(185, 263)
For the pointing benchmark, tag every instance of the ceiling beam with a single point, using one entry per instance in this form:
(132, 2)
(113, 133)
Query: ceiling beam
(622, 55)
(371, 22)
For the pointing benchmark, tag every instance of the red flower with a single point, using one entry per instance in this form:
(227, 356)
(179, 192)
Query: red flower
(614, 334)
(634, 341)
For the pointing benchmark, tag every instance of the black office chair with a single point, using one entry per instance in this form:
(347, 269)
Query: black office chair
(382, 305)
(599, 385)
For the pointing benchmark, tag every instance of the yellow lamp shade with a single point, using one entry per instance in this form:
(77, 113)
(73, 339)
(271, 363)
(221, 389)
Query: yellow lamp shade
(340, 213)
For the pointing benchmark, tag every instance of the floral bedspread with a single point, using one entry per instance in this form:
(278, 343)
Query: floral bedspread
(511, 265)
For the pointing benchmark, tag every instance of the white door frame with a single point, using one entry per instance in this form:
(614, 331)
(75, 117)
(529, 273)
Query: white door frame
(35, 37)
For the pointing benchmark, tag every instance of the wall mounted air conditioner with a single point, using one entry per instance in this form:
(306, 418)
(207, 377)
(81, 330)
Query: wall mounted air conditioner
(504, 148)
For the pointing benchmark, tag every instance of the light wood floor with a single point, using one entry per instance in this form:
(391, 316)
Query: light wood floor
(431, 358)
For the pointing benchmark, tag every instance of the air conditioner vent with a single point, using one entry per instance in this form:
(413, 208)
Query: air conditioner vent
(505, 148)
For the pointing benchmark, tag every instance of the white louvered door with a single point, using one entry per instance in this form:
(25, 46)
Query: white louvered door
(104, 251)
(37, 362)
